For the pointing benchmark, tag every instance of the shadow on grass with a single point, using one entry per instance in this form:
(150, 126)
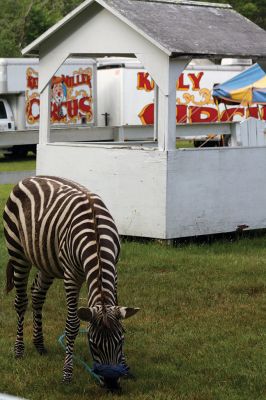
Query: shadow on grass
(10, 158)
(229, 237)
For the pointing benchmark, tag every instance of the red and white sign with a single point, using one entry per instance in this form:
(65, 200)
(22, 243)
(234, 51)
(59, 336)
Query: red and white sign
(127, 95)
(72, 96)
(194, 101)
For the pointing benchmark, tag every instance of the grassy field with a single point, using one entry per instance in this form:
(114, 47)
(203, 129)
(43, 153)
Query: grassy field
(24, 164)
(200, 334)
(183, 144)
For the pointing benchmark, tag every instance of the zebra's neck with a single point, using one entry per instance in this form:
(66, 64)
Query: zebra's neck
(106, 293)
(101, 286)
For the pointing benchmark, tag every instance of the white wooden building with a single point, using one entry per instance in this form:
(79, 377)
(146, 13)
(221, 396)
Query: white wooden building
(151, 188)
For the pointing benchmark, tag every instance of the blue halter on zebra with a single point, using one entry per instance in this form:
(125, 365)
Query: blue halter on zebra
(100, 371)
(67, 233)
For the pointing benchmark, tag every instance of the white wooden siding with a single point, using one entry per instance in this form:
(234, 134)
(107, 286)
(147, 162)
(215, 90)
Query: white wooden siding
(168, 194)
(215, 190)
(131, 181)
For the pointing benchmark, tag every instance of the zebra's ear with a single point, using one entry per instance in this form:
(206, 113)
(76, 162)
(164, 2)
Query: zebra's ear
(86, 314)
(127, 312)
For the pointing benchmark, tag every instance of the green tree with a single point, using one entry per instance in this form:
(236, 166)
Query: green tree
(40, 16)
(22, 21)
(255, 10)
(11, 20)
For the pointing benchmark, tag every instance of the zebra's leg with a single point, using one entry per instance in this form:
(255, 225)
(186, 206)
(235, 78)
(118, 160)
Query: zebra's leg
(129, 375)
(72, 327)
(123, 358)
(38, 291)
(21, 275)
(115, 288)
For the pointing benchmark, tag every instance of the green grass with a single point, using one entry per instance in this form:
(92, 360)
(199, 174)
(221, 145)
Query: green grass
(24, 164)
(200, 334)
(183, 144)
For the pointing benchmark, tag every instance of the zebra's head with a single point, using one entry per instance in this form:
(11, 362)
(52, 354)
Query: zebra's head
(106, 337)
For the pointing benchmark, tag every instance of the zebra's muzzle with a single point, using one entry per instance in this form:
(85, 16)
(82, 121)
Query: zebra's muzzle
(110, 371)
(110, 375)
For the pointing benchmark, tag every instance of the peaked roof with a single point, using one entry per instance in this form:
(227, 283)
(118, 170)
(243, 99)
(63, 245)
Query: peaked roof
(181, 27)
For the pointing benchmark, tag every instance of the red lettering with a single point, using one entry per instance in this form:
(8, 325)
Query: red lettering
(195, 79)
(72, 108)
(180, 85)
(196, 114)
(228, 114)
(202, 114)
(69, 81)
(147, 115)
(76, 80)
(32, 117)
(85, 107)
(144, 82)
(181, 114)
(32, 82)
(263, 113)
(252, 112)
(54, 112)
(86, 79)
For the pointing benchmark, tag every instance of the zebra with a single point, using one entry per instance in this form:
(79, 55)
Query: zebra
(67, 232)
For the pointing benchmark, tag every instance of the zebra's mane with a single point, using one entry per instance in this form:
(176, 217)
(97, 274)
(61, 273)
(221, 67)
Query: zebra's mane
(96, 230)
(106, 322)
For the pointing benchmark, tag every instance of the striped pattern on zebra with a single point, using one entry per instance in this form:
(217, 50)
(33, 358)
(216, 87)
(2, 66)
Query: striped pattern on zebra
(68, 233)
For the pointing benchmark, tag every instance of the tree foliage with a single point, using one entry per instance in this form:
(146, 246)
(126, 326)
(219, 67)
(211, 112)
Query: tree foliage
(22, 21)
(255, 10)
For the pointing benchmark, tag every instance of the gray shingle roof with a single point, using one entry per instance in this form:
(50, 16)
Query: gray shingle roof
(195, 28)
(181, 27)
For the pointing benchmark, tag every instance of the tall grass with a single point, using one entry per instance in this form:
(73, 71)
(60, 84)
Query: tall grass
(200, 334)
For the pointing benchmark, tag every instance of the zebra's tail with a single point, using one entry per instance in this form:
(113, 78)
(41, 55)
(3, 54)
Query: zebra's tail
(9, 277)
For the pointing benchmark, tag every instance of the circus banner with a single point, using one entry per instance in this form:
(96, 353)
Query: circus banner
(194, 100)
(71, 96)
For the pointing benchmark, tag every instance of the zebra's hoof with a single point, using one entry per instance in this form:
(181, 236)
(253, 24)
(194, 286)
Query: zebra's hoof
(19, 350)
(112, 386)
(42, 351)
(66, 381)
(19, 355)
(67, 378)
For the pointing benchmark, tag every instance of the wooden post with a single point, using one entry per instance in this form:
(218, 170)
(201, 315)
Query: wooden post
(167, 106)
(156, 104)
(45, 107)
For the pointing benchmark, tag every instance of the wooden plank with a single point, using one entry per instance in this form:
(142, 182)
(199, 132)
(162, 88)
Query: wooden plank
(252, 132)
(215, 190)
(131, 181)
(202, 129)
(235, 135)
(11, 138)
(244, 133)
(45, 107)
(261, 127)
(183, 193)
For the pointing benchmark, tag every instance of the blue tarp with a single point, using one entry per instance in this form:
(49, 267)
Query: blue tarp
(248, 87)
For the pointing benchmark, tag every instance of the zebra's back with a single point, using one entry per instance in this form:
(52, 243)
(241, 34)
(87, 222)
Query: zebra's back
(51, 221)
